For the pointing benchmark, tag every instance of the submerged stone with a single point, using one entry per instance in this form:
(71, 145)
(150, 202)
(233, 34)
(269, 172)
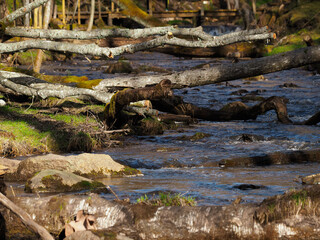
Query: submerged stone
(311, 179)
(59, 181)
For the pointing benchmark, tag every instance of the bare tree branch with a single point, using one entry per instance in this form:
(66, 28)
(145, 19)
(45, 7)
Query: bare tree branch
(127, 33)
(22, 11)
(34, 87)
(93, 49)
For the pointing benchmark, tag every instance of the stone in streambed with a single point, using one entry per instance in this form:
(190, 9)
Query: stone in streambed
(59, 181)
(86, 164)
(311, 179)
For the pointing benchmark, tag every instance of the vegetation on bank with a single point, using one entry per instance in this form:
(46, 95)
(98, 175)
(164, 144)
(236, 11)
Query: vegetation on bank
(167, 199)
(32, 130)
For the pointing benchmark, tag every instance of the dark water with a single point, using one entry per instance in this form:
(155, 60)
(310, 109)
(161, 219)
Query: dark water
(171, 164)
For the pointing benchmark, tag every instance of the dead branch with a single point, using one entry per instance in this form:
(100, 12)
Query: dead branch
(32, 225)
(22, 11)
(232, 111)
(125, 97)
(55, 34)
(222, 73)
(93, 49)
(34, 87)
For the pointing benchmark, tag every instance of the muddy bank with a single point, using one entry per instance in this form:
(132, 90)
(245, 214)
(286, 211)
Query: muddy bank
(292, 215)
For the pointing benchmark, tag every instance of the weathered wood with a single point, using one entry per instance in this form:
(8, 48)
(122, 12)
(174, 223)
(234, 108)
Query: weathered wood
(223, 73)
(232, 111)
(22, 11)
(125, 97)
(33, 87)
(32, 225)
(93, 49)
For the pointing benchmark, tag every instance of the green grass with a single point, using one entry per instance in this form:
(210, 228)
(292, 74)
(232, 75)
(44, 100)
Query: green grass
(167, 199)
(24, 132)
(72, 119)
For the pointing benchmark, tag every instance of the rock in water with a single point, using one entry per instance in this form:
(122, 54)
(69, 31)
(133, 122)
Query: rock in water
(86, 164)
(59, 181)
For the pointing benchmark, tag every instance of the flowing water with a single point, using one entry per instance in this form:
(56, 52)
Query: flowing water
(170, 163)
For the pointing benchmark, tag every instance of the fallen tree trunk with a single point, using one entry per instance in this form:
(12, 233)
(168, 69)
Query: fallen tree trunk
(232, 111)
(34, 87)
(121, 99)
(93, 49)
(222, 73)
(288, 216)
(55, 34)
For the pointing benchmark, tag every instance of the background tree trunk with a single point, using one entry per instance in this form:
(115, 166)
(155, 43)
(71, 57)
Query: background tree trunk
(92, 10)
(46, 20)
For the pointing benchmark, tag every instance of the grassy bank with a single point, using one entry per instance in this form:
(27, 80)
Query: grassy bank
(64, 126)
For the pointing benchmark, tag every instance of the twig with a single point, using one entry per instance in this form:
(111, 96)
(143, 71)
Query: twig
(13, 193)
(110, 189)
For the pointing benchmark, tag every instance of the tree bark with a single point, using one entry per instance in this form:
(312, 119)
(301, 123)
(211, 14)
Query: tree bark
(55, 34)
(223, 73)
(93, 49)
(232, 111)
(123, 98)
(32, 225)
(33, 87)
(21, 12)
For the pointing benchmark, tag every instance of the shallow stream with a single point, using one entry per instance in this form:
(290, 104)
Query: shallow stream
(170, 163)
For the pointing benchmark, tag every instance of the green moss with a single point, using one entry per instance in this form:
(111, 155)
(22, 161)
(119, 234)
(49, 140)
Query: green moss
(127, 171)
(131, 9)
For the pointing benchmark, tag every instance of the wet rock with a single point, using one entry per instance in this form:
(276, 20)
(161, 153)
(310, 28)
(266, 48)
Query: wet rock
(311, 179)
(289, 85)
(59, 181)
(83, 235)
(255, 78)
(252, 97)
(248, 186)
(10, 164)
(86, 164)
(119, 67)
(196, 137)
(239, 92)
(248, 138)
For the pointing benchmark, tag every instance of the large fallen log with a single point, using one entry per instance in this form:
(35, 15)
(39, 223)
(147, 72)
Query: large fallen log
(224, 72)
(288, 216)
(232, 111)
(196, 33)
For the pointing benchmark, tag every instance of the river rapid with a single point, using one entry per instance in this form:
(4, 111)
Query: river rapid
(171, 163)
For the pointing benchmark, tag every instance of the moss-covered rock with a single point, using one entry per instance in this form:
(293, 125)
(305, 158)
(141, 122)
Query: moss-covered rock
(86, 164)
(50, 180)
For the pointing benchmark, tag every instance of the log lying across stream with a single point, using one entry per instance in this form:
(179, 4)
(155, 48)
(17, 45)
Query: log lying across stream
(293, 215)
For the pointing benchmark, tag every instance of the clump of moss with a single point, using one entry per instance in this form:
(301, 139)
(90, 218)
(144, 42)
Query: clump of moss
(127, 171)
